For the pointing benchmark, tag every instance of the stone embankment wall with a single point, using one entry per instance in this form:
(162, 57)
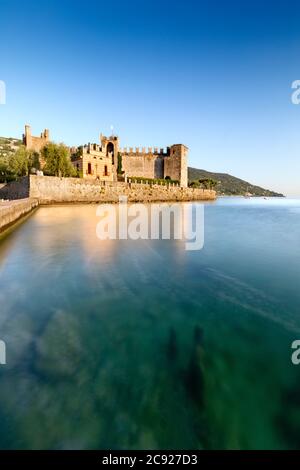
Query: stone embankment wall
(52, 189)
(49, 189)
(11, 211)
(16, 189)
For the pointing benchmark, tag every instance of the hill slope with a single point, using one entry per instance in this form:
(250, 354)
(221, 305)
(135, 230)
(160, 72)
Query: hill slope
(230, 185)
(8, 146)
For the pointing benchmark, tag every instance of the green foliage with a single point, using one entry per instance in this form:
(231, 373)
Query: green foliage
(140, 179)
(77, 173)
(5, 173)
(207, 183)
(194, 184)
(8, 146)
(78, 153)
(228, 184)
(204, 183)
(19, 162)
(119, 169)
(57, 160)
(22, 162)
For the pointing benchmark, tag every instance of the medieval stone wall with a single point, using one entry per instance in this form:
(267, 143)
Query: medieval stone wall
(172, 167)
(16, 189)
(48, 189)
(12, 211)
(156, 164)
(144, 165)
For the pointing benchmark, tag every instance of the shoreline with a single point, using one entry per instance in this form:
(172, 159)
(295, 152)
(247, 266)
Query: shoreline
(20, 197)
(11, 212)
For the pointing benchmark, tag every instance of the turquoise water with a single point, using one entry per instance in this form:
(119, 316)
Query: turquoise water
(142, 344)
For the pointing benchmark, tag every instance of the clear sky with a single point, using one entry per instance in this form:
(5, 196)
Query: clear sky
(214, 75)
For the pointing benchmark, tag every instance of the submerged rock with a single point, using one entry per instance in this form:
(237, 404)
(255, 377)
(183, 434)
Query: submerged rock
(172, 349)
(194, 378)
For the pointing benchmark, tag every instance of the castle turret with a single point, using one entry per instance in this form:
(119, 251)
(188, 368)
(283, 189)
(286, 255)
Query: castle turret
(110, 146)
(175, 165)
(35, 143)
(27, 136)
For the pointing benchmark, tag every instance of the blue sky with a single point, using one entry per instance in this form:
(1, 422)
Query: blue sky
(215, 76)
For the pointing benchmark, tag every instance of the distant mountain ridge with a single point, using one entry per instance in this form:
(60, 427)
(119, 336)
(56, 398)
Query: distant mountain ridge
(230, 185)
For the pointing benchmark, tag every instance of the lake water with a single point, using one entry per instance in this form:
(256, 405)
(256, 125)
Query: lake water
(142, 344)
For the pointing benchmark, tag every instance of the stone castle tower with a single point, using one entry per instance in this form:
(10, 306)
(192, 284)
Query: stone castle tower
(35, 143)
(110, 147)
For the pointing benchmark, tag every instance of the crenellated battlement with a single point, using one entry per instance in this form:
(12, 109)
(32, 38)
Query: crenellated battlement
(143, 151)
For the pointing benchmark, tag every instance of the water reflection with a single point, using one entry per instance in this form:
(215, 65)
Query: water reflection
(141, 344)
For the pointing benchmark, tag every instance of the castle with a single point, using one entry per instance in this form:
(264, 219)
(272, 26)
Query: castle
(101, 161)
(106, 160)
(35, 143)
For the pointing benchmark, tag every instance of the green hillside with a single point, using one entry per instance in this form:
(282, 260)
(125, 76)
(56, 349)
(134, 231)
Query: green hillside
(8, 145)
(230, 185)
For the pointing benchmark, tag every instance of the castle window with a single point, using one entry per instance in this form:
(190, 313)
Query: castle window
(89, 168)
(105, 170)
(110, 151)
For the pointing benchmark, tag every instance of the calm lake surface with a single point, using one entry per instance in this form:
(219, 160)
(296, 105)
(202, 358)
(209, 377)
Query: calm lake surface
(141, 344)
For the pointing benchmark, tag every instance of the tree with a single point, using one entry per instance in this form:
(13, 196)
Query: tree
(208, 183)
(77, 154)
(119, 169)
(35, 160)
(194, 184)
(22, 161)
(57, 160)
(5, 172)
